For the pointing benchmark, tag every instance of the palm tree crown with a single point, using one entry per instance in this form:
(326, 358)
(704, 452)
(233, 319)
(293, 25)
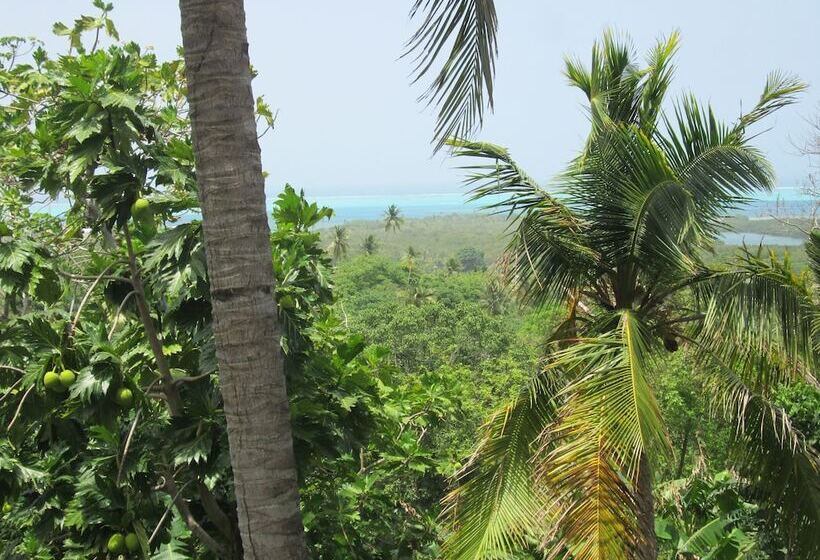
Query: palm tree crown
(393, 219)
(620, 242)
(369, 244)
(339, 243)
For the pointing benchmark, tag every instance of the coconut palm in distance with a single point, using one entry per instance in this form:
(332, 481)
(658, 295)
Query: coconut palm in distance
(339, 243)
(393, 219)
(621, 246)
(369, 244)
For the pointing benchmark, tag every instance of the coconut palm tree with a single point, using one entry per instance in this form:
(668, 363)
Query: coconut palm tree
(370, 245)
(240, 269)
(339, 243)
(621, 245)
(392, 218)
(237, 242)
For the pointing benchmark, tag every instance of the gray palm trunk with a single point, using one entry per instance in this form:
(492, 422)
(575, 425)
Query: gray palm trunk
(238, 251)
(646, 511)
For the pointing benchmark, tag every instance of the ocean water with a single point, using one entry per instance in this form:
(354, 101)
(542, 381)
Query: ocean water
(783, 202)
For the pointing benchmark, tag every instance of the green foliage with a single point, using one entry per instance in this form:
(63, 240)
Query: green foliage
(471, 259)
(708, 517)
(133, 452)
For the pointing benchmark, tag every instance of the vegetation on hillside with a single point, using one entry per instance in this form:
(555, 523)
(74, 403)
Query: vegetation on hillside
(569, 346)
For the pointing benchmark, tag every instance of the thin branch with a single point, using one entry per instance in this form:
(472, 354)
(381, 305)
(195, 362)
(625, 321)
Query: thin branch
(128, 444)
(191, 521)
(190, 379)
(85, 298)
(173, 398)
(167, 512)
(12, 368)
(119, 311)
(19, 408)
(10, 389)
(93, 278)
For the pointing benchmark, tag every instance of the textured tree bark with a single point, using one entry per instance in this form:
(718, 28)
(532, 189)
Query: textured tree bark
(648, 549)
(237, 245)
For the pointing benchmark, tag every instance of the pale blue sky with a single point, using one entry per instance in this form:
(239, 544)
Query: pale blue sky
(348, 118)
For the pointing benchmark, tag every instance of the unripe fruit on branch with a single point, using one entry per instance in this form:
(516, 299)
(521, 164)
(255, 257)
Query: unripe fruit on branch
(132, 543)
(67, 378)
(141, 209)
(52, 382)
(116, 543)
(124, 397)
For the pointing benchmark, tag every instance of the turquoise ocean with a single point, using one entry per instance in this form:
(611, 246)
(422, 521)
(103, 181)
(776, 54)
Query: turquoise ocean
(782, 202)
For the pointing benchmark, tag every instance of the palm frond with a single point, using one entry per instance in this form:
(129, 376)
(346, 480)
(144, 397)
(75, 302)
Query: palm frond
(659, 74)
(626, 185)
(781, 90)
(758, 317)
(597, 520)
(495, 506)
(591, 456)
(465, 33)
(611, 390)
(611, 83)
(775, 455)
(720, 170)
(547, 254)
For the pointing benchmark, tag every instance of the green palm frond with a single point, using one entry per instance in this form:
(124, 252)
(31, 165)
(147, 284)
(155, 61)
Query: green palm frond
(775, 455)
(611, 83)
(781, 90)
(591, 456)
(495, 506)
(626, 185)
(659, 74)
(547, 253)
(611, 391)
(718, 169)
(758, 316)
(464, 33)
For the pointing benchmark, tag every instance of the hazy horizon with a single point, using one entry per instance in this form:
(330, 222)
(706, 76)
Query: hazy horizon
(349, 122)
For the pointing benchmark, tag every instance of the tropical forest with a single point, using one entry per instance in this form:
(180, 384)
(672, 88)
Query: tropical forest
(608, 359)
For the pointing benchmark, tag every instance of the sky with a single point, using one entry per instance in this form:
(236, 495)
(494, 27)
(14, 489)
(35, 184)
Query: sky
(349, 122)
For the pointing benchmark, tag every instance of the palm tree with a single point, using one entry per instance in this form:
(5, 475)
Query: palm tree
(237, 234)
(621, 246)
(240, 269)
(339, 243)
(369, 244)
(495, 297)
(393, 218)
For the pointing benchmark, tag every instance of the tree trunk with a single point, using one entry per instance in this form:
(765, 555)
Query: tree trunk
(648, 547)
(238, 251)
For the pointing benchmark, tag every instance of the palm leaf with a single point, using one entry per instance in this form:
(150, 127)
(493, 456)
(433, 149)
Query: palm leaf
(495, 506)
(591, 456)
(758, 317)
(659, 74)
(786, 470)
(547, 255)
(464, 32)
